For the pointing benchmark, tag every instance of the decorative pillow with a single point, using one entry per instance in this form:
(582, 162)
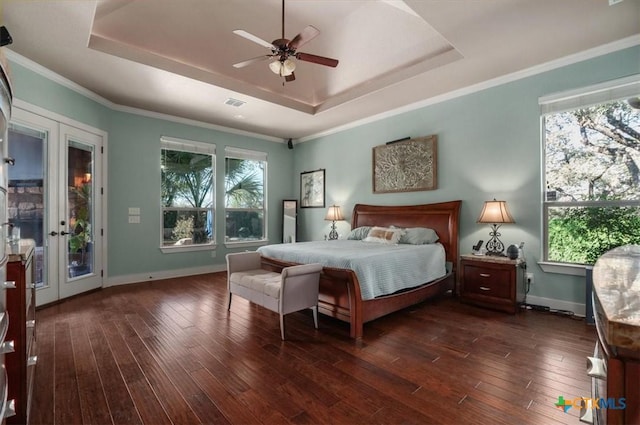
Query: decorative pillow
(359, 233)
(418, 236)
(384, 235)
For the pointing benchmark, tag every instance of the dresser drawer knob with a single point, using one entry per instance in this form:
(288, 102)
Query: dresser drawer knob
(7, 347)
(9, 284)
(484, 288)
(596, 368)
(32, 360)
(10, 409)
(485, 275)
(586, 413)
(31, 323)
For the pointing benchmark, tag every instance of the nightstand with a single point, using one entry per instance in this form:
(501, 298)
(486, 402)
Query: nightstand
(493, 282)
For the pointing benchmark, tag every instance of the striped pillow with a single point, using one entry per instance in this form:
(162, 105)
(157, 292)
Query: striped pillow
(384, 235)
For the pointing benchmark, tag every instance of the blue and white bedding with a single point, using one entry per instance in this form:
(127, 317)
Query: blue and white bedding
(382, 269)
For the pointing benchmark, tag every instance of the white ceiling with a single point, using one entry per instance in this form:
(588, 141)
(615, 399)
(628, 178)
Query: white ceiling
(175, 57)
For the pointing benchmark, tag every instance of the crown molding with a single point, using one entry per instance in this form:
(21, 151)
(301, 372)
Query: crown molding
(65, 82)
(518, 75)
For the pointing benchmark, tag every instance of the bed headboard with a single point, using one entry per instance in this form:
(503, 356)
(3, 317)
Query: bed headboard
(442, 217)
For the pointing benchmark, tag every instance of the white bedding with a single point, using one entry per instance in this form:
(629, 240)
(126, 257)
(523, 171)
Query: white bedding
(381, 269)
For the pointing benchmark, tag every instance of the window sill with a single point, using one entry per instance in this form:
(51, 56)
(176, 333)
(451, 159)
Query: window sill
(187, 248)
(243, 244)
(563, 268)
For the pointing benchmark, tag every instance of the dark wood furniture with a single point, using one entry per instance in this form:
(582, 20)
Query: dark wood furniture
(340, 295)
(494, 282)
(21, 304)
(615, 366)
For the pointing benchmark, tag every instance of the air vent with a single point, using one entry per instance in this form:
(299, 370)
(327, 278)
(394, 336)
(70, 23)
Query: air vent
(234, 102)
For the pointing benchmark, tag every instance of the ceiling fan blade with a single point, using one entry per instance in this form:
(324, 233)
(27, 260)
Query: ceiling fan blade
(254, 38)
(321, 60)
(251, 61)
(307, 34)
(290, 78)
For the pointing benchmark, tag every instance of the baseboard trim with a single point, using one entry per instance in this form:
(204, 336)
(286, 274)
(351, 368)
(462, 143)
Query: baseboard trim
(159, 275)
(576, 308)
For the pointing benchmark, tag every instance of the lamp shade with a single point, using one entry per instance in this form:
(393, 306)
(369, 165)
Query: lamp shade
(288, 66)
(334, 213)
(495, 212)
(275, 67)
(283, 68)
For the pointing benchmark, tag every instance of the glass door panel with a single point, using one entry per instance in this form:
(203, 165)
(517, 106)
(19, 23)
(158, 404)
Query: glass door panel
(80, 212)
(28, 190)
(80, 260)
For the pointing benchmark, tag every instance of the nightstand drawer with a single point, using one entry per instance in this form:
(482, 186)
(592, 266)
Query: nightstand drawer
(487, 281)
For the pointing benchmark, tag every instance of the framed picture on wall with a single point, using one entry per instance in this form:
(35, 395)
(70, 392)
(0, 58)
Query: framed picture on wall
(312, 189)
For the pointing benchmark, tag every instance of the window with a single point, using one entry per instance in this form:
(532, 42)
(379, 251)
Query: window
(245, 175)
(592, 171)
(188, 187)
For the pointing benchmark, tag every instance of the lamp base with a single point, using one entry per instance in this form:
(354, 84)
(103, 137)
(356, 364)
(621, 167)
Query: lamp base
(495, 247)
(333, 234)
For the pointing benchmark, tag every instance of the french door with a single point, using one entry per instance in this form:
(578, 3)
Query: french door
(55, 198)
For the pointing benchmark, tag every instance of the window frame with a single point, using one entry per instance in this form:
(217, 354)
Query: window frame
(606, 92)
(184, 145)
(247, 154)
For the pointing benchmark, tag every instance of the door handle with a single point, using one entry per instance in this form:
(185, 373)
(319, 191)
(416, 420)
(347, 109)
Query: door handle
(64, 233)
(53, 233)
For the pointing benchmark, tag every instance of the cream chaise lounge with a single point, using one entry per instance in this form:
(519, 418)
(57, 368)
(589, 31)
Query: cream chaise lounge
(295, 289)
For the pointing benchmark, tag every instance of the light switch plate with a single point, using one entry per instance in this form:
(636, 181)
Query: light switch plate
(134, 211)
(134, 219)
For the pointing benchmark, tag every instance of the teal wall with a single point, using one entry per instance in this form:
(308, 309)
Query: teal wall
(489, 146)
(133, 174)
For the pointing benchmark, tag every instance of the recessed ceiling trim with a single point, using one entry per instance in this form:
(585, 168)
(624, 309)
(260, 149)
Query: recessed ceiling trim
(538, 69)
(147, 58)
(443, 58)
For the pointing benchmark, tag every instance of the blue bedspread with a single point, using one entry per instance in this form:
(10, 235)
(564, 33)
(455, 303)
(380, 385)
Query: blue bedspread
(381, 269)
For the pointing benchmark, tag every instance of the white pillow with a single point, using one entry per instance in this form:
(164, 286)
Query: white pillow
(384, 235)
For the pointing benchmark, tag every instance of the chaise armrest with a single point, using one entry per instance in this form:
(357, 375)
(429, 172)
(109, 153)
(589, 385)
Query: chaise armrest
(243, 261)
(299, 288)
(300, 270)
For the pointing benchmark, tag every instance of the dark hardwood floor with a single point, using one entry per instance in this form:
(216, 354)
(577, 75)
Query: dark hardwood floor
(168, 352)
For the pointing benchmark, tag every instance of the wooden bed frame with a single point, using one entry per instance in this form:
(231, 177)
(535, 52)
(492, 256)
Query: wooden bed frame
(340, 295)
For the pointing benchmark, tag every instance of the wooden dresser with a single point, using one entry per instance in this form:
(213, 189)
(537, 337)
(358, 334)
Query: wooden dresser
(615, 366)
(21, 303)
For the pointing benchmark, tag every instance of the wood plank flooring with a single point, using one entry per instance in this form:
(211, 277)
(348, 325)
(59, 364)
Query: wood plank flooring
(169, 352)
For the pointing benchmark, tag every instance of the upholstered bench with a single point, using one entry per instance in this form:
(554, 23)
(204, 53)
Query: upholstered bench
(295, 289)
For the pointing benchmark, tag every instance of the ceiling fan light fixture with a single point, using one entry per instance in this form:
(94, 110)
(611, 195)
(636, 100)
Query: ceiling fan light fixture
(283, 68)
(275, 67)
(288, 66)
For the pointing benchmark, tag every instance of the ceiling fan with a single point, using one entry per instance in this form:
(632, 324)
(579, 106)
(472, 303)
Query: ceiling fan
(283, 50)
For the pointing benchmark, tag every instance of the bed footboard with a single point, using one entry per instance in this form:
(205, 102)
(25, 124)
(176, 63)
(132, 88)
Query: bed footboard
(341, 299)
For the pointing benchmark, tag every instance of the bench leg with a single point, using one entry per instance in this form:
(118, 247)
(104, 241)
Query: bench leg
(282, 326)
(315, 315)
